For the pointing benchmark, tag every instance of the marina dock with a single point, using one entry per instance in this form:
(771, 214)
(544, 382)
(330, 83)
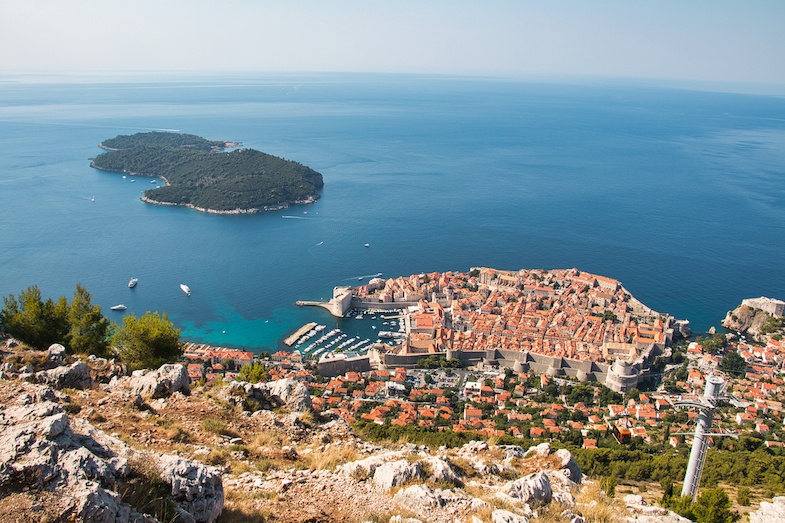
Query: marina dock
(299, 332)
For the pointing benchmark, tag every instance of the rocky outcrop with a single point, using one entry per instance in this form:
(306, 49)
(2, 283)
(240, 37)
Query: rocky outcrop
(41, 449)
(745, 319)
(75, 376)
(162, 382)
(568, 464)
(196, 488)
(56, 353)
(769, 512)
(643, 512)
(395, 473)
(534, 488)
(287, 393)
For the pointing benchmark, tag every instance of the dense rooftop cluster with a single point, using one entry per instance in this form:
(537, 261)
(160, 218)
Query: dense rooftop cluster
(564, 313)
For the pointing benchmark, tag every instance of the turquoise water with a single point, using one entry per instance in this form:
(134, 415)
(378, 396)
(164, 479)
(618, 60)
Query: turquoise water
(678, 194)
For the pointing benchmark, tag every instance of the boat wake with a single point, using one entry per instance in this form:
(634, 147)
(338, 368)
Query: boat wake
(294, 217)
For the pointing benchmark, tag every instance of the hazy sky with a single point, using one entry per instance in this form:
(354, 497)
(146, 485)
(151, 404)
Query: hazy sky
(695, 40)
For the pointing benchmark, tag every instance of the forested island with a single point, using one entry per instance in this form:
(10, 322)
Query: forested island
(201, 175)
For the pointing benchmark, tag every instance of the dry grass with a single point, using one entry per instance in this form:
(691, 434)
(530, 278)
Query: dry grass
(484, 514)
(269, 439)
(220, 427)
(527, 466)
(245, 507)
(385, 516)
(331, 457)
(552, 513)
(464, 467)
(307, 419)
(36, 359)
(597, 507)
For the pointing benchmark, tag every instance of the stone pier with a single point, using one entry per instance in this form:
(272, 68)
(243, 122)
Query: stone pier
(338, 306)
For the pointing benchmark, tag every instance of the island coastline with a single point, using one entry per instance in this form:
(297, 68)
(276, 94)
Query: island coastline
(198, 174)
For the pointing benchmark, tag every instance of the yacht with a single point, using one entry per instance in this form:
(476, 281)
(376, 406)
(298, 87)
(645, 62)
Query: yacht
(120, 307)
(185, 289)
(132, 283)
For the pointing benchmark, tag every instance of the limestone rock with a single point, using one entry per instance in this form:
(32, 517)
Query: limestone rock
(642, 512)
(572, 517)
(434, 504)
(417, 498)
(42, 449)
(292, 394)
(196, 488)
(287, 393)
(769, 512)
(161, 383)
(441, 471)
(745, 319)
(395, 473)
(568, 463)
(473, 447)
(505, 516)
(532, 488)
(56, 353)
(542, 450)
(76, 376)
(367, 467)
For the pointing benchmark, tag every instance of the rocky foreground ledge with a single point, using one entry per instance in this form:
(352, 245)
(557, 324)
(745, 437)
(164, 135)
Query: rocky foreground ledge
(84, 441)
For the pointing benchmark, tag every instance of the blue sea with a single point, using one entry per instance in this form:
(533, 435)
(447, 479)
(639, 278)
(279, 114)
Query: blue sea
(680, 194)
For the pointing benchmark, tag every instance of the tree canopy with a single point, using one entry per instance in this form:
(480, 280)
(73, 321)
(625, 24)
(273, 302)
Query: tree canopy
(89, 328)
(37, 322)
(162, 139)
(147, 341)
(243, 179)
(733, 363)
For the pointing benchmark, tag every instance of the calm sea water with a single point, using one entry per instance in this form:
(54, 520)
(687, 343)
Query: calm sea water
(678, 194)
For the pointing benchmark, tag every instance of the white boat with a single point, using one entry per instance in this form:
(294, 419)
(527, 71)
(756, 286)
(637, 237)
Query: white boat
(367, 245)
(185, 289)
(132, 283)
(119, 307)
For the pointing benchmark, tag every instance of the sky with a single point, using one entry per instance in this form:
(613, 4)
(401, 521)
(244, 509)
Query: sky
(691, 41)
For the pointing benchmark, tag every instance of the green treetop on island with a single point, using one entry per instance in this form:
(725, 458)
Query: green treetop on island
(200, 175)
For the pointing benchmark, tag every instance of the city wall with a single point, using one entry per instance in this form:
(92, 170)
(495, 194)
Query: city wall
(340, 366)
(621, 376)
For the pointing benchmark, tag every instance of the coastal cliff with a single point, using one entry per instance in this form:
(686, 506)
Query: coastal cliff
(758, 317)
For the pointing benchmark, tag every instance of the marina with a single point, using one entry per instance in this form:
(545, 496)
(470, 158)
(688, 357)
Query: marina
(289, 341)
(312, 342)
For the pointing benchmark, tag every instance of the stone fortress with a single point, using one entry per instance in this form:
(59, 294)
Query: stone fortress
(774, 307)
(560, 323)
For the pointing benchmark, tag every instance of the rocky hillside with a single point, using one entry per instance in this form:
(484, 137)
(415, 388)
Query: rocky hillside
(84, 441)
